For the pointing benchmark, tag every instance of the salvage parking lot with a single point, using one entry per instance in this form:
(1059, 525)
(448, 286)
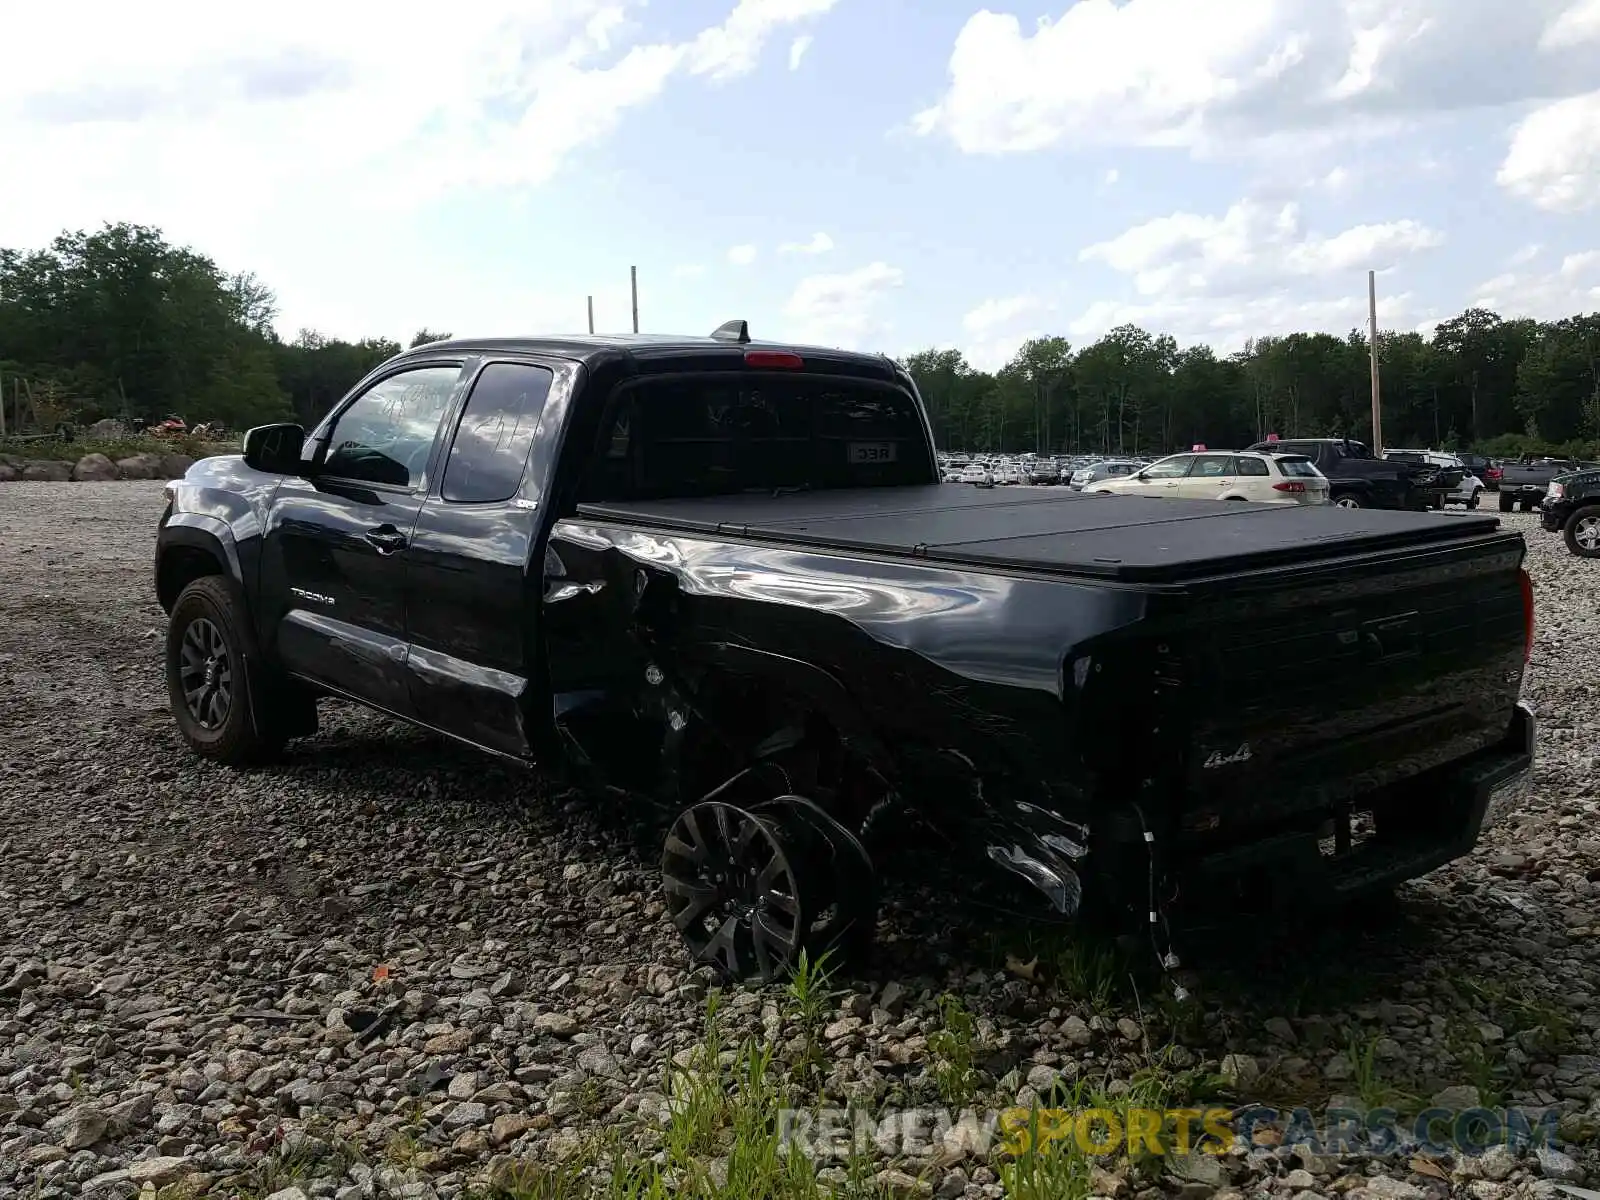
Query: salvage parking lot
(389, 963)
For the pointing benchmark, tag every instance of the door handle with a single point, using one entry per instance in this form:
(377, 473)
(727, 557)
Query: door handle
(386, 539)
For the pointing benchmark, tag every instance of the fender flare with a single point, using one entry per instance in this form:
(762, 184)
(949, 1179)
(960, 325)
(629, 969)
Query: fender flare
(821, 687)
(203, 532)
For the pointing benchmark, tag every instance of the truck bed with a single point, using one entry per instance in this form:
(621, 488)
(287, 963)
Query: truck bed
(1131, 539)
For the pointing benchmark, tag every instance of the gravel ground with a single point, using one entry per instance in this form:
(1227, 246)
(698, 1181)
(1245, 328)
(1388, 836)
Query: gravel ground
(395, 966)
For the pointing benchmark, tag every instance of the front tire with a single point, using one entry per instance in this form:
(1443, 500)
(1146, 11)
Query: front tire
(1347, 500)
(209, 644)
(1582, 532)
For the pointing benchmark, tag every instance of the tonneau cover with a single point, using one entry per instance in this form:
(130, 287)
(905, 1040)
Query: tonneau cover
(1130, 538)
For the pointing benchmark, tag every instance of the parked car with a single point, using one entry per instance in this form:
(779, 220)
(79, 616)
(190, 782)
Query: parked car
(1095, 472)
(1357, 479)
(1466, 493)
(1523, 484)
(978, 475)
(1571, 505)
(1043, 472)
(720, 577)
(1225, 475)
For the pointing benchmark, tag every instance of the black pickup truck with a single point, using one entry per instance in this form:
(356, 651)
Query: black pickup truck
(721, 577)
(1359, 479)
(1523, 484)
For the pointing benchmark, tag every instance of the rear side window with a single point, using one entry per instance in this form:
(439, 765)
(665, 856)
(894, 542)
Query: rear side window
(1250, 466)
(1297, 468)
(1212, 466)
(706, 435)
(497, 426)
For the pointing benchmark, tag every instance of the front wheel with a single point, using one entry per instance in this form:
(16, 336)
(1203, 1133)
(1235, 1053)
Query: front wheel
(1582, 532)
(208, 640)
(1347, 500)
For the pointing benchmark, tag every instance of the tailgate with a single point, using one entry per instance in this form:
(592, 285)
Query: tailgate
(1301, 693)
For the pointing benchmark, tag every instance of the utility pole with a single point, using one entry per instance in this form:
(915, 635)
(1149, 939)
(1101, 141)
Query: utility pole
(1372, 347)
(633, 275)
(591, 314)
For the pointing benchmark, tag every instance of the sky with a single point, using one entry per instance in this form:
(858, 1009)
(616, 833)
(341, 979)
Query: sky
(874, 174)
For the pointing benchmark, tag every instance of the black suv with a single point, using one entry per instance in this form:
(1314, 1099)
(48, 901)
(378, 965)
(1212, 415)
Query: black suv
(1571, 506)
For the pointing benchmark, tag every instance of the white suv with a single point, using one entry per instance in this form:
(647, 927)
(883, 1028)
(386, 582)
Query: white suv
(1225, 475)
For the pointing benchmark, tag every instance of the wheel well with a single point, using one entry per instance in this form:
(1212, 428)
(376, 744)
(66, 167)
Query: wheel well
(180, 566)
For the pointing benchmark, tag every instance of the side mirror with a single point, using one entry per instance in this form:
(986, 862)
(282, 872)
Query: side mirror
(275, 449)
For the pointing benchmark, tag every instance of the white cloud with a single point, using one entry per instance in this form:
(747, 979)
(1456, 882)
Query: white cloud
(689, 271)
(1572, 287)
(1525, 255)
(1112, 175)
(732, 48)
(1554, 158)
(292, 134)
(994, 313)
(820, 243)
(1574, 27)
(1217, 74)
(1249, 247)
(742, 256)
(843, 309)
(797, 50)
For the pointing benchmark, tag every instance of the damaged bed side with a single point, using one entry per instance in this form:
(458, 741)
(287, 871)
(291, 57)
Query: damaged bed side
(830, 697)
(1095, 739)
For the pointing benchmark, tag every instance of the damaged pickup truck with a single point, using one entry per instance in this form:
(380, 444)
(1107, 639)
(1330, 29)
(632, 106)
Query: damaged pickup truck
(722, 577)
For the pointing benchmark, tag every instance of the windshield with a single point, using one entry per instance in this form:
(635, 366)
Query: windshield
(704, 435)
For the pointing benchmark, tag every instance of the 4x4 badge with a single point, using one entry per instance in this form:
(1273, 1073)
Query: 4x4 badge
(1219, 759)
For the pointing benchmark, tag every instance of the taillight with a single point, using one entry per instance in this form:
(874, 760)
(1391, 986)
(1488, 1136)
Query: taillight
(781, 360)
(1492, 472)
(1527, 615)
(1288, 486)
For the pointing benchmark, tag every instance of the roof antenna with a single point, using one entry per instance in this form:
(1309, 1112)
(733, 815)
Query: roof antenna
(732, 331)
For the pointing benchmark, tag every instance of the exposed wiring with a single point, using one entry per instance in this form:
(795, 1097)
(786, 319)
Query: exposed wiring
(1160, 930)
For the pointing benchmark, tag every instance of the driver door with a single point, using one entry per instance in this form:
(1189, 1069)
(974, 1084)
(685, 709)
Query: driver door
(1160, 479)
(335, 545)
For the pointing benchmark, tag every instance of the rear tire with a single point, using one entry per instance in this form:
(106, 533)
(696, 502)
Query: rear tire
(210, 648)
(1507, 503)
(1582, 531)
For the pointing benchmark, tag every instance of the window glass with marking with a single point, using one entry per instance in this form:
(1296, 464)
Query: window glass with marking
(490, 451)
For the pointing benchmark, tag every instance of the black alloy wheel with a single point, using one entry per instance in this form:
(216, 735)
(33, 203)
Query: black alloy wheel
(732, 891)
(840, 882)
(205, 674)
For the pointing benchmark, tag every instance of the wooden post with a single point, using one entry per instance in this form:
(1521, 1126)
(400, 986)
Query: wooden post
(1372, 346)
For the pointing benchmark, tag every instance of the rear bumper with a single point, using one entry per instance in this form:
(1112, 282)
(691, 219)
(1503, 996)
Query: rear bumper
(1453, 803)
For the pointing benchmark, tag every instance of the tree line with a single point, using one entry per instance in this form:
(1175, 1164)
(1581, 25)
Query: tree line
(1505, 386)
(121, 323)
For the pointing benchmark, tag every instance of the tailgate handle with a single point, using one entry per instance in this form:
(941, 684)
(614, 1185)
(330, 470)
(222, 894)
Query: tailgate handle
(1390, 637)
